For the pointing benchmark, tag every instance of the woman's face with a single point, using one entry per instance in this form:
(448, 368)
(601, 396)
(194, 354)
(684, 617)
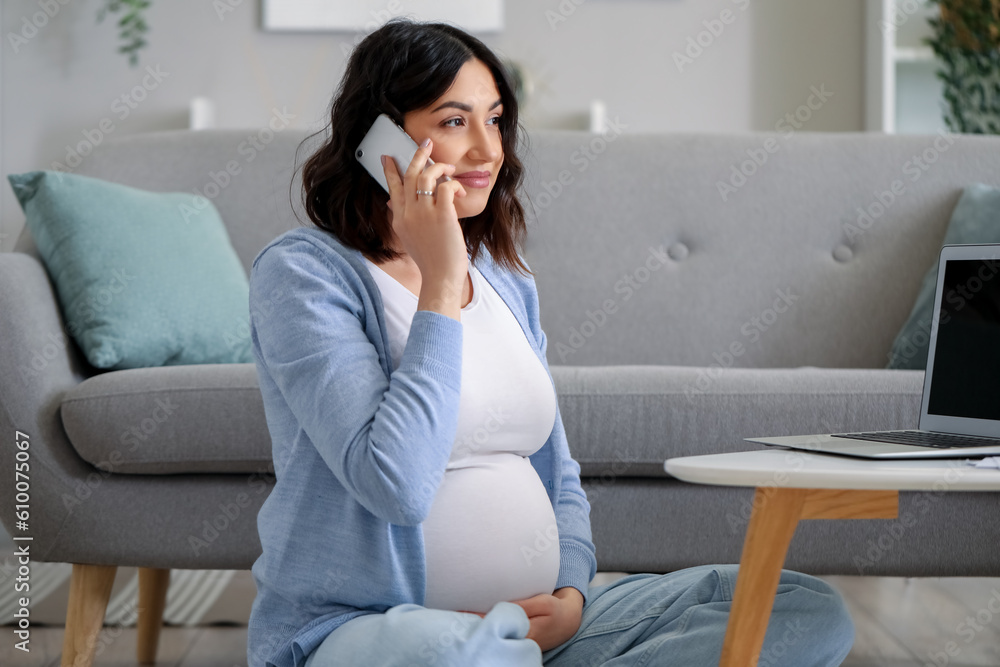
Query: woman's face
(464, 125)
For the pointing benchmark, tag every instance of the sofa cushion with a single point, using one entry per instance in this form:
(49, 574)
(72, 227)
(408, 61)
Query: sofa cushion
(621, 421)
(624, 421)
(143, 278)
(200, 418)
(974, 220)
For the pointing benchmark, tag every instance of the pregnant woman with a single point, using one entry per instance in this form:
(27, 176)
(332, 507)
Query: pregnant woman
(427, 510)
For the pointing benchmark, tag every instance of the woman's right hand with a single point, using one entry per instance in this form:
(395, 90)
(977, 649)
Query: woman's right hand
(427, 226)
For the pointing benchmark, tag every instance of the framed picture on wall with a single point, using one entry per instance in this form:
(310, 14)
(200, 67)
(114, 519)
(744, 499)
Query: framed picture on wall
(367, 15)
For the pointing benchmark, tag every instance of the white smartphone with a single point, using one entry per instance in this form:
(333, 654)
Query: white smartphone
(387, 138)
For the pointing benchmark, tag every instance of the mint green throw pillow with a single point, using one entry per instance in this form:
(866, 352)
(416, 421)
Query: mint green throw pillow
(143, 278)
(976, 219)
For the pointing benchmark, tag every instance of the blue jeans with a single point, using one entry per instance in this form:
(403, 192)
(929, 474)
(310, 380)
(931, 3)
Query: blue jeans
(671, 619)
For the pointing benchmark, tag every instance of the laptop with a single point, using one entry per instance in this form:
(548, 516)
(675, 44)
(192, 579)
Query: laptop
(960, 406)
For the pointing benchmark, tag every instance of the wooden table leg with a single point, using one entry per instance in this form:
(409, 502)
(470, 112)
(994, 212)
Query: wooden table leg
(775, 515)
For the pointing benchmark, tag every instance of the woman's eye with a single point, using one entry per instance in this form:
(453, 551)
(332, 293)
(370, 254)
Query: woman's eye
(450, 120)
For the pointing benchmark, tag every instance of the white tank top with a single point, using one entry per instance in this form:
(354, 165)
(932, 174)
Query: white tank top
(491, 534)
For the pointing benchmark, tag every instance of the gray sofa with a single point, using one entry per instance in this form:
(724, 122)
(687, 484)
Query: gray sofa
(687, 305)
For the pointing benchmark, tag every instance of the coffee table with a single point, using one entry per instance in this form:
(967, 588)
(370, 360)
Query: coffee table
(793, 485)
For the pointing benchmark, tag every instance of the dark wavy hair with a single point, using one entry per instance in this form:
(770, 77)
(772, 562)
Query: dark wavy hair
(401, 67)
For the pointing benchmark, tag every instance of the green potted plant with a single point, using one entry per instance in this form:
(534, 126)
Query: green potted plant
(966, 41)
(132, 25)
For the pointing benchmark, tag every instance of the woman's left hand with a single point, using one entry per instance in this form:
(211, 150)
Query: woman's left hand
(554, 618)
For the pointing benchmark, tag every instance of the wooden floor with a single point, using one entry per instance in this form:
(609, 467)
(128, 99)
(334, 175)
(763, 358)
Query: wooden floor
(900, 622)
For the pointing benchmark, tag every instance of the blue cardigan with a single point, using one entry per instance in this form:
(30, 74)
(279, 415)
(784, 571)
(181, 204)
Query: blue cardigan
(359, 451)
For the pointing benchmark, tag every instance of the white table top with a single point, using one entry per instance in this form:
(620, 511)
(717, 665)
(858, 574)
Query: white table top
(798, 469)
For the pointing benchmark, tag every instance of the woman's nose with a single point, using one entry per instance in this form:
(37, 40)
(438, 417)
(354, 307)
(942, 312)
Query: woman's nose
(485, 146)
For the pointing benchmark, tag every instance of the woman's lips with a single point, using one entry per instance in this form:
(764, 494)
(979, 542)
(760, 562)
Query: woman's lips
(474, 179)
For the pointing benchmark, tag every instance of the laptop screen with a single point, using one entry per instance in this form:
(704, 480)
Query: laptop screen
(967, 355)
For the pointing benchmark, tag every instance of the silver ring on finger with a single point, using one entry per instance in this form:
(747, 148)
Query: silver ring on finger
(425, 192)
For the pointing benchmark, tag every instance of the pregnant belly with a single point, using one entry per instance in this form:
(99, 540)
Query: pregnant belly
(490, 536)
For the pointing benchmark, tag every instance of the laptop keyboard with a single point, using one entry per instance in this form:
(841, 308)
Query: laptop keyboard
(922, 439)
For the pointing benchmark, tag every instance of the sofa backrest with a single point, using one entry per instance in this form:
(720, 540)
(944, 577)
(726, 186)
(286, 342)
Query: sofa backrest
(750, 250)
(835, 229)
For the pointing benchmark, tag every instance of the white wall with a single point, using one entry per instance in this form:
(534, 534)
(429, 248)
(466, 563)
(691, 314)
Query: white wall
(65, 80)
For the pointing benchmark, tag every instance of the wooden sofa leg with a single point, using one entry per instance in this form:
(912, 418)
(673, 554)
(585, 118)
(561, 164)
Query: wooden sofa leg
(153, 584)
(89, 592)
